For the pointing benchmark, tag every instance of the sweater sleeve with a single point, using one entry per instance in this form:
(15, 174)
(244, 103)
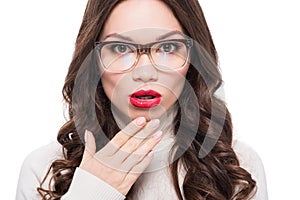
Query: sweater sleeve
(87, 186)
(251, 161)
(84, 185)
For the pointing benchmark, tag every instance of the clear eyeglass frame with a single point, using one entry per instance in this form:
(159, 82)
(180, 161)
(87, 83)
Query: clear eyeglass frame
(143, 49)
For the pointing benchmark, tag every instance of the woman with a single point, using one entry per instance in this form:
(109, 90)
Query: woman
(144, 120)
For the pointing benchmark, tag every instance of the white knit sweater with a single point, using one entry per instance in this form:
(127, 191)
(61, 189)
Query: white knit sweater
(152, 185)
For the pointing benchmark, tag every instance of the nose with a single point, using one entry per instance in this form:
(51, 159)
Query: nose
(144, 70)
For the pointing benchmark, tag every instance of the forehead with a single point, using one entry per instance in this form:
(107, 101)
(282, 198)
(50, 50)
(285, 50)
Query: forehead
(141, 19)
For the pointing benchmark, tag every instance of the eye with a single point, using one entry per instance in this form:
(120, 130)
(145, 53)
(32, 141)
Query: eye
(121, 48)
(168, 47)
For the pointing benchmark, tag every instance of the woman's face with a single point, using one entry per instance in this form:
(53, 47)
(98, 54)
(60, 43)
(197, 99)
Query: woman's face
(144, 90)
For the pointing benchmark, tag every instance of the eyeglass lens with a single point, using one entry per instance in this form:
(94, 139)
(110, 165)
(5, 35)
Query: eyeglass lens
(168, 55)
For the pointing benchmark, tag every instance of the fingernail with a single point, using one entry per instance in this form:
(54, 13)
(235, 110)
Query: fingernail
(157, 135)
(140, 121)
(86, 137)
(150, 154)
(154, 123)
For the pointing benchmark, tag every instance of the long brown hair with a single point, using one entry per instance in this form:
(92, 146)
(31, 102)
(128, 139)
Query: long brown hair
(215, 176)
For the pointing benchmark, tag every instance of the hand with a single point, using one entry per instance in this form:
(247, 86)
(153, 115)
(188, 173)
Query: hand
(120, 162)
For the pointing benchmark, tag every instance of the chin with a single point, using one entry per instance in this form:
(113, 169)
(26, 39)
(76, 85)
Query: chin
(155, 112)
(133, 112)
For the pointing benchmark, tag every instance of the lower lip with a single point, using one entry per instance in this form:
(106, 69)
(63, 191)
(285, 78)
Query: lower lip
(145, 103)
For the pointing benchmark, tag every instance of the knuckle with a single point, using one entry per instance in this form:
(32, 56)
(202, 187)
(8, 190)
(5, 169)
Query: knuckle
(119, 140)
(131, 145)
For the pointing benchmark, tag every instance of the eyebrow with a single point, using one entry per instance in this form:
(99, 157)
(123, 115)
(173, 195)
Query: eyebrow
(161, 37)
(116, 35)
(168, 35)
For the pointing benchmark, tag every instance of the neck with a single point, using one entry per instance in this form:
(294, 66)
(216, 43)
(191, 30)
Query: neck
(162, 149)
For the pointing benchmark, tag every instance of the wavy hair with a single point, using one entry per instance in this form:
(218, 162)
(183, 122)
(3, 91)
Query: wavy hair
(216, 176)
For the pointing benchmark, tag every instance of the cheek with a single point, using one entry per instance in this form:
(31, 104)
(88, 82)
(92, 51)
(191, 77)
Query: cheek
(109, 83)
(173, 85)
(117, 87)
(176, 82)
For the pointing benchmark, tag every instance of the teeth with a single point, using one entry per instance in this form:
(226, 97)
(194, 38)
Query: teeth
(145, 97)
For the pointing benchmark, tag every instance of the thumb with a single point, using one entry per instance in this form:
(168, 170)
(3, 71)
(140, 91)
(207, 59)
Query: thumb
(90, 145)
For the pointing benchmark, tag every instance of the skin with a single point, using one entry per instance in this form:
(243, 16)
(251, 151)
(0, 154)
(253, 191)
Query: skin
(128, 154)
(137, 17)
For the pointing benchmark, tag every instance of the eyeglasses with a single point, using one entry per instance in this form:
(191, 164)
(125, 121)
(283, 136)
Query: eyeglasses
(166, 55)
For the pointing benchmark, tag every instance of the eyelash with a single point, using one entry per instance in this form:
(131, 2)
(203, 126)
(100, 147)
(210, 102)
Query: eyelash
(114, 47)
(173, 45)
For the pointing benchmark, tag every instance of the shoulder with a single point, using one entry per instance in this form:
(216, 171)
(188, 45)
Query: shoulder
(248, 157)
(250, 160)
(34, 169)
(246, 154)
(43, 156)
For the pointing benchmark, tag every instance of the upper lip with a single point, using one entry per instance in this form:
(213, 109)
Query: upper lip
(145, 92)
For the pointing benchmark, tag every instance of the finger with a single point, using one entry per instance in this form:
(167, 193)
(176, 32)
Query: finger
(130, 130)
(138, 169)
(139, 154)
(116, 160)
(124, 162)
(122, 137)
(134, 142)
(149, 144)
(149, 128)
(90, 145)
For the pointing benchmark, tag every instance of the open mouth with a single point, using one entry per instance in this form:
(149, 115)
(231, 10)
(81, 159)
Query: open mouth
(145, 98)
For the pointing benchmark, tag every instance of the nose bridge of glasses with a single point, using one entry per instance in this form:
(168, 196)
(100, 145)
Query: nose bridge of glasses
(144, 49)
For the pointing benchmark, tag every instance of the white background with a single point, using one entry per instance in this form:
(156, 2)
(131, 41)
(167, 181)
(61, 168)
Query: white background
(258, 44)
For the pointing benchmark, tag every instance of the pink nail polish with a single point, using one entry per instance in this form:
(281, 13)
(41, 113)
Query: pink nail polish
(86, 137)
(154, 123)
(140, 121)
(157, 135)
(150, 154)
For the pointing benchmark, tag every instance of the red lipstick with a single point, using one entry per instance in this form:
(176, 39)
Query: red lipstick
(145, 98)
